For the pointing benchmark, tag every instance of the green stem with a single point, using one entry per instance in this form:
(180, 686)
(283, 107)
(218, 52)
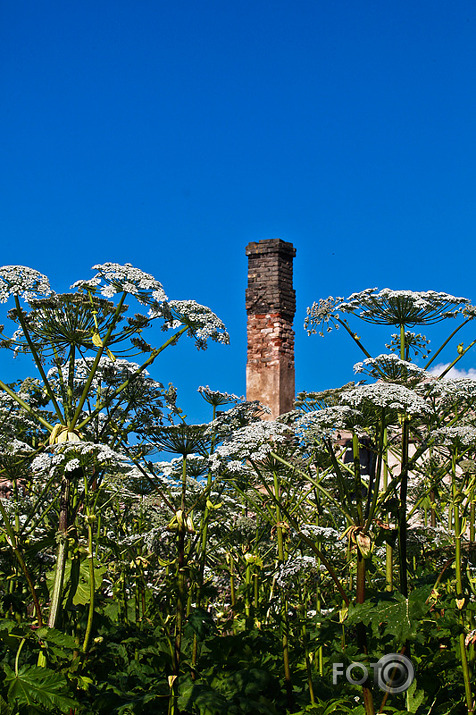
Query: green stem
(462, 354)
(293, 522)
(95, 364)
(38, 361)
(12, 540)
(446, 342)
(62, 537)
(92, 584)
(284, 609)
(26, 406)
(127, 382)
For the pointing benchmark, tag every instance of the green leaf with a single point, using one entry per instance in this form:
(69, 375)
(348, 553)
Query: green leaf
(80, 581)
(5, 709)
(52, 635)
(414, 697)
(39, 686)
(401, 616)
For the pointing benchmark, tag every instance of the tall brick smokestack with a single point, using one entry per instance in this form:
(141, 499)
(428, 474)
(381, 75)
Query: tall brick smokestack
(271, 304)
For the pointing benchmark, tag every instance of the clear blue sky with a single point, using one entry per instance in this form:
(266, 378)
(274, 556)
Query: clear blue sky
(170, 134)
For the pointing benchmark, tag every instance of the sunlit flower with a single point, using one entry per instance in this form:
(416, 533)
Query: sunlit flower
(402, 307)
(112, 278)
(386, 395)
(391, 367)
(22, 281)
(216, 398)
(322, 316)
(201, 322)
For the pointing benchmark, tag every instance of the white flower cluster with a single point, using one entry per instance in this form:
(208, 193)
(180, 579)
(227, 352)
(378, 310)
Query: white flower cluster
(71, 455)
(391, 367)
(463, 435)
(226, 423)
(322, 314)
(293, 568)
(202, 323)
(253, 442)
(327, 533)
(402, 307)
(453, 391)
(324, 422)
(15, 446)
(215, 397)
(109, 371)
(22, 281)
(387, 395)
(112, 278)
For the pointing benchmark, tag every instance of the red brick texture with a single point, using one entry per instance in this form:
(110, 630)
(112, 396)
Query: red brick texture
(271, 304)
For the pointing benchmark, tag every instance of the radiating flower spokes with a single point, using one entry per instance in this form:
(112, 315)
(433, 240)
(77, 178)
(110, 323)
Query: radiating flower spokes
(451, 392)
(112, 278)
(390, 367)
(386, 395)
(403, 307)
(387, 307)
(216, 398)
(202, 323)
(253, 442)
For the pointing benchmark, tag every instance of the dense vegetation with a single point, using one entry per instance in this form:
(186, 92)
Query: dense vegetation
(238, 575)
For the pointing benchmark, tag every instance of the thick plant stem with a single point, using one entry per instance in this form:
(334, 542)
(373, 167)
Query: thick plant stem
(181, 580)
(62, 554)
(361, 632)
(92, 584)
(460, 600)
(388, 548)
(181, 594)
(284, 610)
(12, 540)
(402, 521)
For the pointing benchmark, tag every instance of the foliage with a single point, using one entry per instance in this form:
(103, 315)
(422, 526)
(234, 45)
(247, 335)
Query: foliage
(234, 575)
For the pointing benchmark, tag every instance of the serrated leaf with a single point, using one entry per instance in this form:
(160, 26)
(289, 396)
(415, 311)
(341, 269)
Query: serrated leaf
(5, 709)
(52, 635)
(400, 616)
(81, 595)
(39, 686)
(414, 697)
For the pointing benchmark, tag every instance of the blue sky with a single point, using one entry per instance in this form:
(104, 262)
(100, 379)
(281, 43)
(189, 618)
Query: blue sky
(169, 135)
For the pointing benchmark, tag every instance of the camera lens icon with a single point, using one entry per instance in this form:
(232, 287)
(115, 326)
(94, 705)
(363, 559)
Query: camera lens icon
(395, 673)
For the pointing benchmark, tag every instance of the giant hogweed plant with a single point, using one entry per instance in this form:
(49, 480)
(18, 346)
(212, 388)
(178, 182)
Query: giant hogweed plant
(80, 344)
(230, 578)
(418, 416)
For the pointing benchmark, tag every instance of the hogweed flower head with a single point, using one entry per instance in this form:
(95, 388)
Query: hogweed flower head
(461, 435)
(216, 398)
(415, 343)
(112, 278)
(391, 368)
(181, 439)
(452, 392)
(253, 442)
(22, 281)
(201, 322)
(402, 307)
(386, 395)
(322, 316)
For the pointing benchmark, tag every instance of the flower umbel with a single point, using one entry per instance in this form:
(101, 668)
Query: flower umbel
(22, 281)
(402, 307)
(113, 278)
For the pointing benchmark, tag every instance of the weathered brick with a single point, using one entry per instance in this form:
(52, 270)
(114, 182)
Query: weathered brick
(271, 305)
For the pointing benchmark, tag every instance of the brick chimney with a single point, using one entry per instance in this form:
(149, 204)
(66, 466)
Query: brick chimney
(271, 304)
